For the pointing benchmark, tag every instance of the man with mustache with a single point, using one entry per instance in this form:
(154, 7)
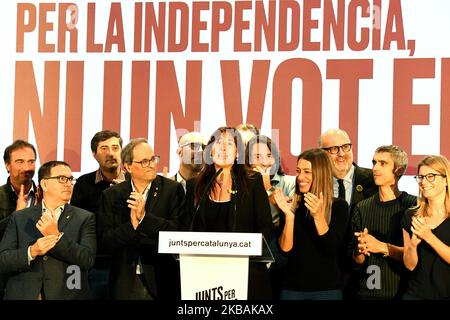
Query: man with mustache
(190, 151)
(106, 147)
(19, 192)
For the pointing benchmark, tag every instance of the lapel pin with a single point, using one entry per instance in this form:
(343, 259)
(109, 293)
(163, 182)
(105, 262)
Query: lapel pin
(359, 188)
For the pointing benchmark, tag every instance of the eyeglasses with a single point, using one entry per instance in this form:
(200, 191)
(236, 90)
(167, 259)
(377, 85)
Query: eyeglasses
(429, 176)
(63, 179)
(146, 162)
(194, 146)
(335, 149)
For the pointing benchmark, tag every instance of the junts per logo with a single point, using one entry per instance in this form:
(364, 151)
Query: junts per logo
(374, 279)
(74, 279)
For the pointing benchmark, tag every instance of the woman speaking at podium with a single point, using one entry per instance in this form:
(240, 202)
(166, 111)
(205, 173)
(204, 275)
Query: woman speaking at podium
(224, 198)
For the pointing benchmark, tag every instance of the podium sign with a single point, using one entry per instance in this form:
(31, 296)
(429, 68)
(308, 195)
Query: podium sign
(213, 265)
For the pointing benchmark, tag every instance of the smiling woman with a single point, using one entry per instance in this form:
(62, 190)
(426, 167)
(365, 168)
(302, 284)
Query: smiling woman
(313, 230)
(426, 233)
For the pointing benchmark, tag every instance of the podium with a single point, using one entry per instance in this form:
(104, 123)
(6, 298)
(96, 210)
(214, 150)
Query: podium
(215, 265)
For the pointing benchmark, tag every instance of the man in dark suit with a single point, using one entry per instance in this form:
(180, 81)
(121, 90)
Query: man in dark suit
(19, 192)
(131, 214)
(350, 182)
(106, 146)
(48, 249)
(357, 182)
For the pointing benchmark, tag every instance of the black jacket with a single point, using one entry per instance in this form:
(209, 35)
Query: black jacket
(126, 245)
(50, 272)
(248, 213)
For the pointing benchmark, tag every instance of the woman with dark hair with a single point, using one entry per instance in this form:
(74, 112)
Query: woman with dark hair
(262, 156)
(426, 233)
(230, 201)
(313, 229)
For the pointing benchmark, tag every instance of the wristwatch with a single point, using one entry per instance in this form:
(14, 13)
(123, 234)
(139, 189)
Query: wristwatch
(270, 191)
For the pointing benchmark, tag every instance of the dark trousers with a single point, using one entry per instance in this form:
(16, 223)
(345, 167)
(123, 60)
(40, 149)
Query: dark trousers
(140, 289)
(98, 283)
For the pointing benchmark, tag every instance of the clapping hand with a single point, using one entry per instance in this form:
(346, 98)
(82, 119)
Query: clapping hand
(48, 225)
(368, 244)
(420, 229)
(314, 204)
(362, 242)
(283, 202)
(137, 205)
(43, 245)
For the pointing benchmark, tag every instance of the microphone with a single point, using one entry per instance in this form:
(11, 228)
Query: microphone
(205, 192)
(233, 198)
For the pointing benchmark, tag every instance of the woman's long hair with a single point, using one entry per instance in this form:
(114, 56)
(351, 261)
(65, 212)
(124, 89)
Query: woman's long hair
(239, 173)
(322, 176)
(441, 165)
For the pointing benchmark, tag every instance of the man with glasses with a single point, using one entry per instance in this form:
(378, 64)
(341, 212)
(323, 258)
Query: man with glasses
(106, 147)
(350, 182)
(47, 249)
(19, 192)
(130, 217)
(376, 224)
(190, 152)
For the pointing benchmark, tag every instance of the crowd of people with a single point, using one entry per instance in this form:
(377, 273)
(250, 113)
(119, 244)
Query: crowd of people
(337, 231)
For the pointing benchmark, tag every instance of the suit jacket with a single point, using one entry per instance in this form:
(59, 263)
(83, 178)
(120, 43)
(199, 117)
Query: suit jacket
(126, 245)
(49, 273)
(8, 203)
(249, 212)
(363, 185)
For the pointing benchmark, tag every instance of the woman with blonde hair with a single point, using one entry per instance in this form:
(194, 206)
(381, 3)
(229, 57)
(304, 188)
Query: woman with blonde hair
(313, 229)
(426, 233)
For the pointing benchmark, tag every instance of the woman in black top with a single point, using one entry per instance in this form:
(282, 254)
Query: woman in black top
(230, 200)
(313, 229)
(426, 233)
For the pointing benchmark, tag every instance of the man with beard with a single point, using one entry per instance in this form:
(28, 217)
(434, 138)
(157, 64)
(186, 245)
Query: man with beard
(106, 147)
(19, 192)
(190, 151)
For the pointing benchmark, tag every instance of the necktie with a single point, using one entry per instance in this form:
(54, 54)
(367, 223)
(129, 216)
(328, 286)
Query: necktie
(341, 193)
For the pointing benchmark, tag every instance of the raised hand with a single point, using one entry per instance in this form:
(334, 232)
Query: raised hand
(314, 204)
(265, 176)
(283, 203)
(37, 196)
(137, 205)
(420, 229)
(21, 199)
(362, 242)
(48, 225)
(43, 245)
